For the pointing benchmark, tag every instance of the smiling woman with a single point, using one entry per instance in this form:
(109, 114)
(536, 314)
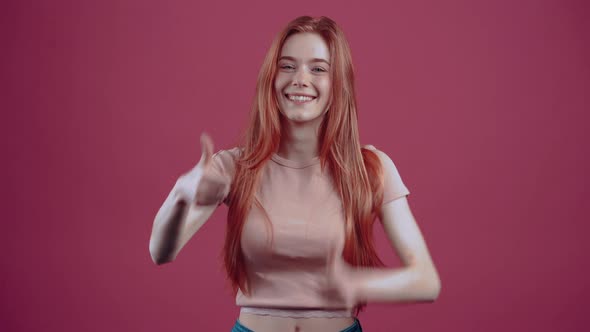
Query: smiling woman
(303, 195)
(302, 82)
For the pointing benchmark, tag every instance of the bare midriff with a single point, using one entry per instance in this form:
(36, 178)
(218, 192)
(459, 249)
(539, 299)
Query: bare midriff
(265, 323)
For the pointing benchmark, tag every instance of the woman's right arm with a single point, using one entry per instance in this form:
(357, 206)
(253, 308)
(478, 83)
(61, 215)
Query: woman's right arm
(175, 223)
(192, 200)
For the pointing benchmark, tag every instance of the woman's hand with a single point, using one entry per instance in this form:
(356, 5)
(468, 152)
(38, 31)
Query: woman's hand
(202, 185)
(341, 281)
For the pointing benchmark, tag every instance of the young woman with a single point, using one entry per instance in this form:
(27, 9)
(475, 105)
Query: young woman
(302, 196)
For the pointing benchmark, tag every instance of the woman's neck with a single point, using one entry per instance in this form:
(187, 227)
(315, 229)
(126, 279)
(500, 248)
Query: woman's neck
(299, 141)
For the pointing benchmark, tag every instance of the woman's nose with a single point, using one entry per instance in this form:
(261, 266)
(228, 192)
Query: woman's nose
(300, 78)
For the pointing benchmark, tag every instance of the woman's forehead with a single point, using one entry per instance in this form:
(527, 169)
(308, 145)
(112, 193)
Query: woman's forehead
(305, 46)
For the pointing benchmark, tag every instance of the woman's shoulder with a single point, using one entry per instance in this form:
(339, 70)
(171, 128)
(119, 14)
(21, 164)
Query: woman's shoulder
(394, 187)
(225, 159)
(229, 154)
(386, 161)
(369, 147)
(382, 155)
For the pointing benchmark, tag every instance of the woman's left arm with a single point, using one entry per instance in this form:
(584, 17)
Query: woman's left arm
(417, 281)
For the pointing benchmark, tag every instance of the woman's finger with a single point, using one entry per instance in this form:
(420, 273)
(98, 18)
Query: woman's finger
(206, 148)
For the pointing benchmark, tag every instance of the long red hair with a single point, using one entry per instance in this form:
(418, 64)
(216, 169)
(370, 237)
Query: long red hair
(357, 172)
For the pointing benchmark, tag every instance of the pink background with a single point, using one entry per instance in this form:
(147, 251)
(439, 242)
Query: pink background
(482, 105)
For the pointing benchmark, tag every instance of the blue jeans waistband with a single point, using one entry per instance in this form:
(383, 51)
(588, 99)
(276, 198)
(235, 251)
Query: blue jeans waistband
(355, 327)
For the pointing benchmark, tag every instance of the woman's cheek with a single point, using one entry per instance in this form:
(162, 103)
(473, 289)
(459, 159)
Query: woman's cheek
(325, 84)
(279, 83)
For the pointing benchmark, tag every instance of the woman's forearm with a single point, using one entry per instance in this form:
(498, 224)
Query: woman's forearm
(167, 228)
(406, 284)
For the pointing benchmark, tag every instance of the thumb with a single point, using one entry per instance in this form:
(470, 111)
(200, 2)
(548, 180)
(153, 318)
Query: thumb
(206, 148)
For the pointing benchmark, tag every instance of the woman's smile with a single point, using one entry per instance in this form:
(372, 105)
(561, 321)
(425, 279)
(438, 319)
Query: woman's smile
(300, 99)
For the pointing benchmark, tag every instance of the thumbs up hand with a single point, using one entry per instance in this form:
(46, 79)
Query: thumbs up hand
(202, 185)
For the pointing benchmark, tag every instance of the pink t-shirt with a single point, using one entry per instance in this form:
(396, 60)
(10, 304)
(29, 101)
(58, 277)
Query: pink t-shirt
(307, 224)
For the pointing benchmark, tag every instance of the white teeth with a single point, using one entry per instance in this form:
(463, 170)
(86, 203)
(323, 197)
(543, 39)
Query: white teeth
(300, 98)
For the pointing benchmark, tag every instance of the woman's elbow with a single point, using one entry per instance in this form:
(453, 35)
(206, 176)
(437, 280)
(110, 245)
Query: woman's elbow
(430, 284)
(157, 260)
(157, 257)
(434, 287)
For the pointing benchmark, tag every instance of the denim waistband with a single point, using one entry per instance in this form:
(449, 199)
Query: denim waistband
(355, 327)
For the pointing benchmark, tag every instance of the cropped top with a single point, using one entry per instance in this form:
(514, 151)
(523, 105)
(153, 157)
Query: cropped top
(287, 276)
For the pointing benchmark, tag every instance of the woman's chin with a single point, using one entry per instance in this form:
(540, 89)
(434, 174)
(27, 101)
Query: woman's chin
(302, 116)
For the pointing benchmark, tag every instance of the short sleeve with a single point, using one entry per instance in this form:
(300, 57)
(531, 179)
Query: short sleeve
(223, 163)
(393, 186)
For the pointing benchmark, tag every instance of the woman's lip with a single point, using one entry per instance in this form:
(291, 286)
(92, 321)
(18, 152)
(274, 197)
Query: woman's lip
(299, 94)
(300, 102)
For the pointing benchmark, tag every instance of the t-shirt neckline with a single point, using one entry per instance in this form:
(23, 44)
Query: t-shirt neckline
(295, 163)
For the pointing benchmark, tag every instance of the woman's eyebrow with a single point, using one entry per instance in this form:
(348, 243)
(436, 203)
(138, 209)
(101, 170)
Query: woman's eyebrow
(311, 60)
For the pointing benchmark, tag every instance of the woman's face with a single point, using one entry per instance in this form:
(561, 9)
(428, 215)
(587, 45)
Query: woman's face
(302, 83)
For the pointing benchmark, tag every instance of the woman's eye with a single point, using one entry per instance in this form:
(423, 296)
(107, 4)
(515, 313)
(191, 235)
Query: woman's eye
(286, 67)
(320, 69)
